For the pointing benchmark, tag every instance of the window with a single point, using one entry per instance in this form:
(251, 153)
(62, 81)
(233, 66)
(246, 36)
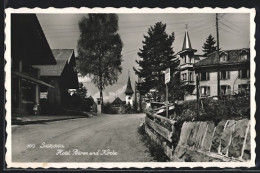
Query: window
(28, 92)
(243, 88)
(205, 91)
(244, 74)
(204, 76)
(184, 76)
(223, 57)
(243, 56)
(225, 75)
(191, 76)
(225, 89)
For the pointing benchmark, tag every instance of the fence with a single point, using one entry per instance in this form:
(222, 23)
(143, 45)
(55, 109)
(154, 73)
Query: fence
(161, 130)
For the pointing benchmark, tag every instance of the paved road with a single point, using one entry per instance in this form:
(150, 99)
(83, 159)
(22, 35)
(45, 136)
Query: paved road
(105, 138)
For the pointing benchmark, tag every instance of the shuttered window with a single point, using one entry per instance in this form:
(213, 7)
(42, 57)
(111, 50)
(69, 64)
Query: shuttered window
(204, 76)
(225, 89)
(244, 74)
(205, 91)
(225, 75)
(243, 88)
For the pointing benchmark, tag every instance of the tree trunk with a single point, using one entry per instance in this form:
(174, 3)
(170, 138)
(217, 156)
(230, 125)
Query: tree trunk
(101, 97)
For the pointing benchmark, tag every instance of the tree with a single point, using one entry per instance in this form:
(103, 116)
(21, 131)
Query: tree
(209, 45)
(81, 91)
(156, 56)
(99, 49)
(176, 91)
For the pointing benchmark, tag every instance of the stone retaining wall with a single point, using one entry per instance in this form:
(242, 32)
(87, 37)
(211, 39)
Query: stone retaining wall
(204, 142)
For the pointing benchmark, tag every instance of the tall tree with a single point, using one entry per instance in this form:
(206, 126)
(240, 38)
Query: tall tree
(99, 49)
(209, 45)
(156, 56)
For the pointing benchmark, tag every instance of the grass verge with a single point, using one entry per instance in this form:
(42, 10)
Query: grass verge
(155, 150)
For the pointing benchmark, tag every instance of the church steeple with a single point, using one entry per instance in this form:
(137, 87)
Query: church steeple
(186, 42)
(129, 90)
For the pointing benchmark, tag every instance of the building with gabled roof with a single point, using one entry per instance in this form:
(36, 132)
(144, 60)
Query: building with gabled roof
(234, 70)
(62, 76)
(117, 102)
(28, 47)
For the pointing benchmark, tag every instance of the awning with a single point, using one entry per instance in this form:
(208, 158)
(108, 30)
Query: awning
(19, 74)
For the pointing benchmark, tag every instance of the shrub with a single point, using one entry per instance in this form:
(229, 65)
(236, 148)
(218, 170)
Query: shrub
(229, 107)
(108, 109)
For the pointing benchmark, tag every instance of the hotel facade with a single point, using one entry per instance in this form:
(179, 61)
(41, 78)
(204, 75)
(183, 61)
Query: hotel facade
(233, 67)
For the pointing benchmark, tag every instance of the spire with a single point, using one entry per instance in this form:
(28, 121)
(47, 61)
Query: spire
(129, 90)
(186, 42)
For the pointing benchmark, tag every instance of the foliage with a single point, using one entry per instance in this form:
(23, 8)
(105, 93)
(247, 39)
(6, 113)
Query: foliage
(81, 91)
(129, 109)
(99, 49)
(156, 56)
(154, 149)
(230, 107)
(176, 92)
(209, 45)
(108, 109)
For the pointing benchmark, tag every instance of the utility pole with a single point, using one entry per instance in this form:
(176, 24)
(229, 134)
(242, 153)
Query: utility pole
(198, 94)
(167, 80)
(218, 76)
(167, 102)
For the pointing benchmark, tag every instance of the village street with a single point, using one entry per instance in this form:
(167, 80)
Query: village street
(105, 138)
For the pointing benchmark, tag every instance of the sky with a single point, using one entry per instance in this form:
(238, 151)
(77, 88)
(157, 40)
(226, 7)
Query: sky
(62, 32)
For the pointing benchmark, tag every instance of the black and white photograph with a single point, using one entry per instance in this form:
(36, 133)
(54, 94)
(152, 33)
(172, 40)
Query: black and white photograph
(130, 87)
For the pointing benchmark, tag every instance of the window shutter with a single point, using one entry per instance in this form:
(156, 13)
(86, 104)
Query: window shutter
(239, 74)
(207, 76)
(228, 89)
(220, 75)
(248, 73)
(208, 91)
(228, 74)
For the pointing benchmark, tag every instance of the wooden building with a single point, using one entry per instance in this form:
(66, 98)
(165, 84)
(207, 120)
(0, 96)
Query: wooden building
(62, 76)
(234, 71)
(118, 105)
(28, 47)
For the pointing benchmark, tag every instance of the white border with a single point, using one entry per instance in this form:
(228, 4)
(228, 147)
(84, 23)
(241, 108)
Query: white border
(127, 164)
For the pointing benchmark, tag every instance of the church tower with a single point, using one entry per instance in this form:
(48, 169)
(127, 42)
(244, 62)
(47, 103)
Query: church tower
(129, 92)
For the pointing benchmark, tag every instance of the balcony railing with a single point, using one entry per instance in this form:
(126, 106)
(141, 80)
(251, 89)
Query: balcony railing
(186, 65)
(188, 82)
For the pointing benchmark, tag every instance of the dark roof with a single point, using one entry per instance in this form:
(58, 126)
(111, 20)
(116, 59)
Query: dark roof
(28, 41)
(117, 101)
(197, 57)
(186, 42)
(129, 90)
(62, 56)
(233, 58)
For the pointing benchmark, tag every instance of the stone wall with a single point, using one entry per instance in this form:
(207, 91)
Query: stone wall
(205, 142)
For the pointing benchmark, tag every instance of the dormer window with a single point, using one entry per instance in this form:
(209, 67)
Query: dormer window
(244, 55)
(223, 57)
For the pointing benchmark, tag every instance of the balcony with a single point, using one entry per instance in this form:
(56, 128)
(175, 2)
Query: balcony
(186, 65)
(188, 82)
